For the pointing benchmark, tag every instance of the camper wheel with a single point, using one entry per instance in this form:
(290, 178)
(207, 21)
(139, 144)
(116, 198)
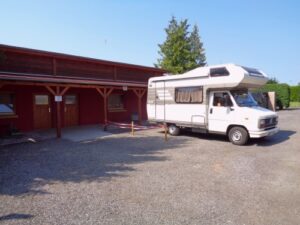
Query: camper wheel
(173, 129)
(238, 135)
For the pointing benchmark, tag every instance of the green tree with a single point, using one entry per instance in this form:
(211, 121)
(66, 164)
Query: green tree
(295, 93)
(181, 50)
(197, 48)
(272, 80)
(282, 93)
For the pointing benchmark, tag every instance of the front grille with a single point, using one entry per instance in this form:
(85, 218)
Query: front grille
(269, 128)
(270, 122)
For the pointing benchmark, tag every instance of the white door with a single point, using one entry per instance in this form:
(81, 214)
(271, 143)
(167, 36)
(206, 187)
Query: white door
(221, 111)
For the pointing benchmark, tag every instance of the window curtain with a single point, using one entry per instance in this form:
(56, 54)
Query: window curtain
(189, 95)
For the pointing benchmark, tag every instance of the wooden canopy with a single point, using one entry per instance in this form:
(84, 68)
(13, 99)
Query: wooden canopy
(58, 72)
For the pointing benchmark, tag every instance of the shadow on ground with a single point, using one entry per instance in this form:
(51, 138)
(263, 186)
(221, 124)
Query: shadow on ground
(281, 136)
(15, 216)
(25, 169)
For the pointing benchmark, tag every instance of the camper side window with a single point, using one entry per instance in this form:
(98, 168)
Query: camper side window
(189, 95)
(222, 99)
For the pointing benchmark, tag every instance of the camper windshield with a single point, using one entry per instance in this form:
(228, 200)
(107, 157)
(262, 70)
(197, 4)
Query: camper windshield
(243, 98)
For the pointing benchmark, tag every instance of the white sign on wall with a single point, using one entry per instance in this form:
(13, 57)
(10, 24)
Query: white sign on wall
(58, 98)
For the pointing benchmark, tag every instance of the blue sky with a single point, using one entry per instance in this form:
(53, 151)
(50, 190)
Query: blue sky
(261, 34)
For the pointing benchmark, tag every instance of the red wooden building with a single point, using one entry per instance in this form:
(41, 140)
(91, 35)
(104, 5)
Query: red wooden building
(42, 90)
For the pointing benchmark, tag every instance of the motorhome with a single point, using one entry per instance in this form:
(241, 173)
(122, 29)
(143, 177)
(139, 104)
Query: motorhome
(212, 99)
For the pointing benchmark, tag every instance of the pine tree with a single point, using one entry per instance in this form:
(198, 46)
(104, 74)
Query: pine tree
(197, 48)
(175, 51)
(272, 80)
(181, 50)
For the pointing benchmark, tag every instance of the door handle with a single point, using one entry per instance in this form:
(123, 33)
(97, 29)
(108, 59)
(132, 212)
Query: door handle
(211, 110)
(49, 110)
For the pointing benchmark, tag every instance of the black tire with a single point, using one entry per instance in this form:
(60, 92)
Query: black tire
(238, 135)
(173, 130)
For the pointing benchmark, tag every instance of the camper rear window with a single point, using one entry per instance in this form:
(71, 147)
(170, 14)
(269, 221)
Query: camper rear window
(189, 95)
(221, 71)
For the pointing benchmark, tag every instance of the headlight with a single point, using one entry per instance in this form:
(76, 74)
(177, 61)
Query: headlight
(267, 122)
(262, 123)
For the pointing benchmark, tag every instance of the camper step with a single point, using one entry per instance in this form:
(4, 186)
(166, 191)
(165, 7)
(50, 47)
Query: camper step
(199, 130)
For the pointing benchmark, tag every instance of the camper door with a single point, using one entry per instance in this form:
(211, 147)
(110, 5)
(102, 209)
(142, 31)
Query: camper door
(221, 111)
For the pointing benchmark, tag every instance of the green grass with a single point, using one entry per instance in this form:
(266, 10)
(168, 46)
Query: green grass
(294, 104)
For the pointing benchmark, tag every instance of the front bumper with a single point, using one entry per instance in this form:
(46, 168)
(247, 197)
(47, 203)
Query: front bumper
(263, 133)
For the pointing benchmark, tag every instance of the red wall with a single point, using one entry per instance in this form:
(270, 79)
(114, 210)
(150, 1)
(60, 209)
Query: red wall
(130, 105)
(90, 107)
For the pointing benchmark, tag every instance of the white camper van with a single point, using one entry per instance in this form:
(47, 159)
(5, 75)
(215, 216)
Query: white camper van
(212, 99)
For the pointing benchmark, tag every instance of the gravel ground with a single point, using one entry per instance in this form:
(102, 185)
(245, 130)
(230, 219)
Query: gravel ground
(120, 179)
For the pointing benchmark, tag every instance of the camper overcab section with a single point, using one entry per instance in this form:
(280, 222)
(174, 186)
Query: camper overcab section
(214, 99)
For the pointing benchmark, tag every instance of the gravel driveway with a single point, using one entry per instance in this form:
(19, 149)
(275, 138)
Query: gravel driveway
(120, 179)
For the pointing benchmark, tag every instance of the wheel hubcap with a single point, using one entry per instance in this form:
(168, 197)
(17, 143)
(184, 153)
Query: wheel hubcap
(236, 136)
(172, 129)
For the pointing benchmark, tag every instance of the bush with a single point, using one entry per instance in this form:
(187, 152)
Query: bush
(295, 104)
(282, 93)
(295, 93)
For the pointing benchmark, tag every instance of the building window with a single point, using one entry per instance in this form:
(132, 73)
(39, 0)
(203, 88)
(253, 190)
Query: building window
(70, 100)
(217, 72)
(189, 95)
(115, 102)
(41, 99)
(7, 104)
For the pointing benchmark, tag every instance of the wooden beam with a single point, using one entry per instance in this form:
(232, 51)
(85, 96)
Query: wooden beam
(100, 92)
(140, 109)
(105, 108)
(64, 91)
(109, 91)
(58, 115)
(143, 92)
(50, 90)
(105, 92)
(136, 92)
(58, 92)
(139, 93)
(43, 84)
